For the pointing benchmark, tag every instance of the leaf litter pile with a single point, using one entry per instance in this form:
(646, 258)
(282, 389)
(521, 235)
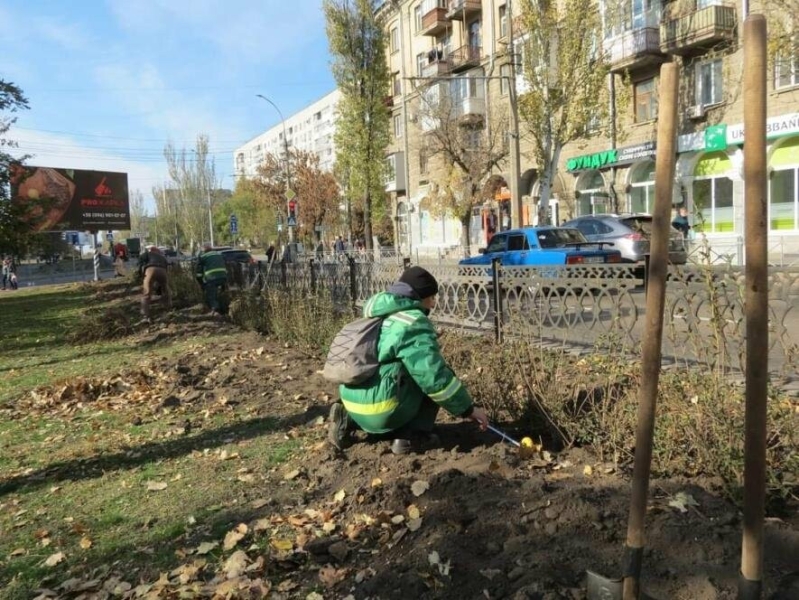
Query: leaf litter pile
(469, 519)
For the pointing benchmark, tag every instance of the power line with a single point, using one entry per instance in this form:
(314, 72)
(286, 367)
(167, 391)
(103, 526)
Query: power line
(111, 137)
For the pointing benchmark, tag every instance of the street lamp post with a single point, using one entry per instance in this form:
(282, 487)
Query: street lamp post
(288, 169)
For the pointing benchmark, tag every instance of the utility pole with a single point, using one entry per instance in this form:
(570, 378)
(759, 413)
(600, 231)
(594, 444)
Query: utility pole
(515, 161)
(210, 211)
(177, 237)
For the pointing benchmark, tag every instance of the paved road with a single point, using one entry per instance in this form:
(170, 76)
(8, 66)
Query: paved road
(40, 275)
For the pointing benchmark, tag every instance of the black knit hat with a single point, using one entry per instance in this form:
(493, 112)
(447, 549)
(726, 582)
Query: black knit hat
(421, 281)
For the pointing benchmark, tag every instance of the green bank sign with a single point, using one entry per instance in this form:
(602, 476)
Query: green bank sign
(611, 158)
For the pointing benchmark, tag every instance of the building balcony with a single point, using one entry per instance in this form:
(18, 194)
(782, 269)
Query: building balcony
(470, 110)
(434, 21)
(460, 10)
(465, 57)
(698, 29)
(634, 49)
(436, 68)
(395, 181)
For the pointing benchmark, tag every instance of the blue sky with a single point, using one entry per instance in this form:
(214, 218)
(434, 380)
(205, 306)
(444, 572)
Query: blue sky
(111, 81)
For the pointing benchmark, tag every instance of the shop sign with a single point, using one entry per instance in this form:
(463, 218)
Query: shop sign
(630, 154)
(718, 137)
(611, 158)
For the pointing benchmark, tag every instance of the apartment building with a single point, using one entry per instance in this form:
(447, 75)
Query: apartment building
(469, 38)
(310, 129)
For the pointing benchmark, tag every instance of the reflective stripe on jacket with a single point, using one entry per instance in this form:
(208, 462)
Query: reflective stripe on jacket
(211, 266)
(412, 367)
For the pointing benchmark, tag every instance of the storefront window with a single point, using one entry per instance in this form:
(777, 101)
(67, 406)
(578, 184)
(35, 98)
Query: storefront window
(592, 198)
(402, 224)
(784, 187)
(712, 194)
(642, 188)
(424, 221)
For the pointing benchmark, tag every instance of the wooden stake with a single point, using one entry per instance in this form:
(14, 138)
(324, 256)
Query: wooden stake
(756, 221)
(653, 333)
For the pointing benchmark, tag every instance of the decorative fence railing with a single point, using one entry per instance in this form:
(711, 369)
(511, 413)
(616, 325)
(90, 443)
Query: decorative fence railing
(591, 306)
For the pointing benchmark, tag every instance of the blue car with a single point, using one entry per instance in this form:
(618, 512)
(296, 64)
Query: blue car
(543, 246)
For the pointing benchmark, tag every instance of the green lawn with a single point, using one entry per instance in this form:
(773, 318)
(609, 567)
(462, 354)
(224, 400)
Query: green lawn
(78, 483)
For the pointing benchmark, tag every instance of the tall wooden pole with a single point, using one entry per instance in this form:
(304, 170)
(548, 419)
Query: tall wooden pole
(653, 334)
(756, 219)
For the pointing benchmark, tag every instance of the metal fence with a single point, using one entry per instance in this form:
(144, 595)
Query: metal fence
(599, 306)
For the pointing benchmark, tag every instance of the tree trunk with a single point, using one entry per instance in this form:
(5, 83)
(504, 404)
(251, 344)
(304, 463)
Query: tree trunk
(367, 221)
(545, 187)
(466, 242)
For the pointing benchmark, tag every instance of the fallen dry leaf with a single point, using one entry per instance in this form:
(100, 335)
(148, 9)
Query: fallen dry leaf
(413, 512)
(377, 482)
(340, 495)
(330, 576)
(156, 486)
(85, 543)
(235, 565)
(234, 536)
(55, 559)
(419, 487)
(414, 524)
(206, 547)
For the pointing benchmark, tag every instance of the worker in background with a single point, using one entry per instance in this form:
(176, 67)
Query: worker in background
(153, 266)
(212, 275)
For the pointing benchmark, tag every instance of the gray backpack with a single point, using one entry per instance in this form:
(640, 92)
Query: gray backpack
(352, 358)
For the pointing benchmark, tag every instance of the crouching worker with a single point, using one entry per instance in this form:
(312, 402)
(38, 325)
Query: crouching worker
(212, 275)
(400, 394)
(153, 265)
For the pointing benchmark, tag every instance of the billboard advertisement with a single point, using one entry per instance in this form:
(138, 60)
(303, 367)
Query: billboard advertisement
(71, 199)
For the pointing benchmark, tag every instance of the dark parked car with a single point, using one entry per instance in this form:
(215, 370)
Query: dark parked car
(629, 234)
(237, 261)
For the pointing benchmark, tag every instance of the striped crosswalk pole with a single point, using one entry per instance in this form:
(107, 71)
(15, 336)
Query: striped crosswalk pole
(97, 263)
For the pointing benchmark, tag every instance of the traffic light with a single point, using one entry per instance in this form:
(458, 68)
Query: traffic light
(293, 209)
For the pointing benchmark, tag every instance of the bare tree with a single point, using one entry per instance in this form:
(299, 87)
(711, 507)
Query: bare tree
(193, 174)
(565, 94)
(466, 140)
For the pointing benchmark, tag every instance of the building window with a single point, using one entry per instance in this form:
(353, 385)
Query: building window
(591, 195)
(421, 61)
(393, 39)
(396, 84)
(398, 130)
(642, 188)
(646, 102)
(783, 199)
(709, 84)
(504, 82)
(391, 170)
(417, 17)
(423, 161)
(503, 21)
(786, 68)
(713, 202)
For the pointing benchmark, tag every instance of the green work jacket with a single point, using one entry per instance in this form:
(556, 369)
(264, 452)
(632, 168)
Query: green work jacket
(211, 266)
(411, 368)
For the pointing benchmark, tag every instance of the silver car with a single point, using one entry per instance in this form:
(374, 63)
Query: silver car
(630, 235)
